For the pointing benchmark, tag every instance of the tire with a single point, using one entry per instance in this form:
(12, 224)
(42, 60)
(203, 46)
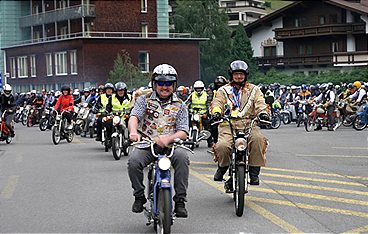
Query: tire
(77, 129)
(299, 120)
(116, 150)
(56, 136)
(309, 124)
(69, 137)
(285, 117)
(348, 121)
(276, 121)
(164, 211)
(194, 136)
(239, 190)
(91, 132)
(8, 140)
(24, 120)
(43, 124)
(29, 122)
(357, 123)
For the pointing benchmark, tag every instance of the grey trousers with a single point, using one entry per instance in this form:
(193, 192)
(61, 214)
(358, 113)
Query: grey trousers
(141, 158)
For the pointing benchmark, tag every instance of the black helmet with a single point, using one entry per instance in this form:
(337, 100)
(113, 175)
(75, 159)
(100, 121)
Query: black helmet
(65, 87)
(120, 86)
(220, 81)
(240, 66)
(109, 86)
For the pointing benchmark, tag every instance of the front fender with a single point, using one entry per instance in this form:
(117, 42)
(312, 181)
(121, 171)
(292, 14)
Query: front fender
(115, 134)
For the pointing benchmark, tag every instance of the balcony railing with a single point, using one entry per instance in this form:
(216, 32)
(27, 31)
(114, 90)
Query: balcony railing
(70, 13)
(350, 58)
(109, 35)
(295, 60)
(331, 29)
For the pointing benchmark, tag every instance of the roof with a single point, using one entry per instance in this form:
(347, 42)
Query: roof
(353, 6)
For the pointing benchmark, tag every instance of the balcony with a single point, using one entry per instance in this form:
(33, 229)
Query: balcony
(320, 30)
(356, 58)
(70, 13)
(322, 59)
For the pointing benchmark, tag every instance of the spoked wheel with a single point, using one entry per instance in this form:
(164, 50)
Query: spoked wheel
(285, 117)
(116, 150)
(24, 120)
(43, 124)
(310, 124)
(163, 224)
(56, 137)
(358, 123)
(275, 122)
(239, 190)
(348, 121)
(70, 136)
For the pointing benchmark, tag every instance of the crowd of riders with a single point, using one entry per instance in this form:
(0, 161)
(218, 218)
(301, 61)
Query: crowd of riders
(154, 112)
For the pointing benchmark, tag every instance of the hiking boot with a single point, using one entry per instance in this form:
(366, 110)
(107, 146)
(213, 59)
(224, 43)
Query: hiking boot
(219, 175)
(138, 204)
(319, 127)
(254, 180)
(229, 186)
(253, 174)
(180, 210)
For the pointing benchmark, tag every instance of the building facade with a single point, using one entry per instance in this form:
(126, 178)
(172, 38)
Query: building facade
(312, 36)
(243, 11)
(76, 43)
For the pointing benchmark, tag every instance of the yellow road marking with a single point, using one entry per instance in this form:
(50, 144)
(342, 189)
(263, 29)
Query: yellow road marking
(314, 179)
(356, 148)
(289, 170)
(10, 187)
(358, 230)
(332, 155)
(310, 207)
(203, 163)
(312, 195)
(263, 212)
(339, 190)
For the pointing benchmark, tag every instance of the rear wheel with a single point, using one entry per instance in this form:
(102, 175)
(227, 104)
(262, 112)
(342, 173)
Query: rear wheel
(164, 211)
(116, 150)
(310, 124)
(348, 121)
(43, 124)
(358, 123)
(56, 135)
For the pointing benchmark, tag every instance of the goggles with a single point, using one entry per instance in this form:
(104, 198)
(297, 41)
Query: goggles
(164, 83)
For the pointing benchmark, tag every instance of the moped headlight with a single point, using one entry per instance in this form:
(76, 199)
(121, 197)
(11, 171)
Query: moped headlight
(240, 144)
(196, 117)
(164, 164)
(116, 120)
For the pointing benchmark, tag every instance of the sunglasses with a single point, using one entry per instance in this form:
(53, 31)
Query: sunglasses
(164, 83)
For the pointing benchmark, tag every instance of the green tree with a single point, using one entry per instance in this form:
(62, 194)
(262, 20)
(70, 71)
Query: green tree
(242, 49)
(125, 71)
(204, 19)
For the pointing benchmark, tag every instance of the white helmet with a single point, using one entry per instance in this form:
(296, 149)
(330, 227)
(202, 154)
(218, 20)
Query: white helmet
(198, 86)
(7, 90)
(164, 72)
(57, 93)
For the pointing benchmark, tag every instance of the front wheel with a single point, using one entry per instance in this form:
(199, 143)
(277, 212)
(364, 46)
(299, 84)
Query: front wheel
(56, 135)
(285, 117)
(43, 124)
(275, 121)
(116, 150)
(310, 124)
(8, 140)
(358, 123)
(24, 120)
(164, 211)
(239, 191)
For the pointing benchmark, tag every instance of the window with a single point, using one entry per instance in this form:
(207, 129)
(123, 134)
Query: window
(335, 47)
(144, 30)
(144, 6)
(299, 22)
(22, 67)
(333, 19)
(13, 68)
(269, 51)
(304, 50)
(49, 65)
(233, 16)
(322, 20)
(35, 9)
(143, 61)
(36, 36)
(73, 62)
(32, 64)
(60, 63)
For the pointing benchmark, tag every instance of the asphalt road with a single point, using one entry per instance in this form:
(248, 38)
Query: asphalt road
(315, 182)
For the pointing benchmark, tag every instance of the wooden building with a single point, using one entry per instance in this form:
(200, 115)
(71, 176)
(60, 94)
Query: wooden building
(312, 36)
